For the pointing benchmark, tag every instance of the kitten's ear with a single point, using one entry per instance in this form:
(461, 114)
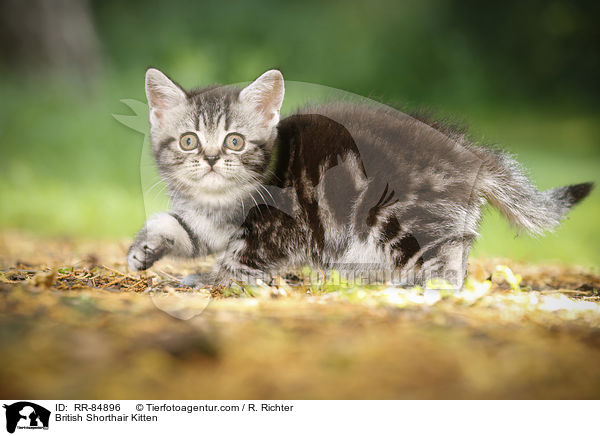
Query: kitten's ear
(162, 93)
(265, 95)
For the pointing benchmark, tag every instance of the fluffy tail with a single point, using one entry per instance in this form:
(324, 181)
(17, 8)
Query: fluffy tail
(507, 187)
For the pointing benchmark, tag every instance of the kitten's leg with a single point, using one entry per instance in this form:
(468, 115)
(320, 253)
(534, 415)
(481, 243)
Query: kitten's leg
(237, 263)
(448, 263)
(199, 280)
(163, 234)
(223, 274)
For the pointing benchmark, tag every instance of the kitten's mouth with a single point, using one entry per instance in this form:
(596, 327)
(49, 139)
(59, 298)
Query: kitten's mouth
(212, 175)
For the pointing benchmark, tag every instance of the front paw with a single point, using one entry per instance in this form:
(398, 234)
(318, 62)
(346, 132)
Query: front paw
(145, 251)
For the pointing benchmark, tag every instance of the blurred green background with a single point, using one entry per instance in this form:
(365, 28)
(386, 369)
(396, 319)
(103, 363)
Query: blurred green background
(523, 74)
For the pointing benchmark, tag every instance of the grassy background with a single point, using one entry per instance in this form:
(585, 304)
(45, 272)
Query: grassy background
(523, 76)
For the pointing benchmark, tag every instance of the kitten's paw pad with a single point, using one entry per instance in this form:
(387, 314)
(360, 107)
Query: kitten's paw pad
(144, 253)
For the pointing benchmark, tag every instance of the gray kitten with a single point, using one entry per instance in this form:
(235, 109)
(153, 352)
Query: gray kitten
(359, 188)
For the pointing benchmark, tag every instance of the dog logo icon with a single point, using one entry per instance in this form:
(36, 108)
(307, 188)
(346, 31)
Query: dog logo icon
(26, 415)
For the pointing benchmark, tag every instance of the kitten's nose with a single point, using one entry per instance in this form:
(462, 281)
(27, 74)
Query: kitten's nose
(211, 159)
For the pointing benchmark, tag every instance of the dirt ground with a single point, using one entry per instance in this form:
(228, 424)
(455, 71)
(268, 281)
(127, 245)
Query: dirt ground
(74, 323)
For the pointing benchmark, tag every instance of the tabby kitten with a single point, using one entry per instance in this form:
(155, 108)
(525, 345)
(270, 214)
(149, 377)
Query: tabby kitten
(360, 188)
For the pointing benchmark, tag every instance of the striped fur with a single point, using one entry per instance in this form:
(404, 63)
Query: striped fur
(360, 188)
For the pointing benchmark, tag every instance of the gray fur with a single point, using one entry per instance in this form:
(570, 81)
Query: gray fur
(360, 188)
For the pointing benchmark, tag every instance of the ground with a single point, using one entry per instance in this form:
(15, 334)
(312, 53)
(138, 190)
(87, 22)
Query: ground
(74, 323)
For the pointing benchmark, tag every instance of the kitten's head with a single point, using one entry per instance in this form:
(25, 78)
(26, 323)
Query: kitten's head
(213, 145)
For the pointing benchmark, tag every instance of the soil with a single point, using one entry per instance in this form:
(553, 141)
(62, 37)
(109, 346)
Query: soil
(75, 323)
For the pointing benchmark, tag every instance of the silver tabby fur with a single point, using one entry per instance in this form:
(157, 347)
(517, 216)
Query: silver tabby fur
(360, 188)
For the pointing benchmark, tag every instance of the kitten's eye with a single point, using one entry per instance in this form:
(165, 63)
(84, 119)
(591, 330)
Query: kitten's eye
(234, 141)
(188, 141)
